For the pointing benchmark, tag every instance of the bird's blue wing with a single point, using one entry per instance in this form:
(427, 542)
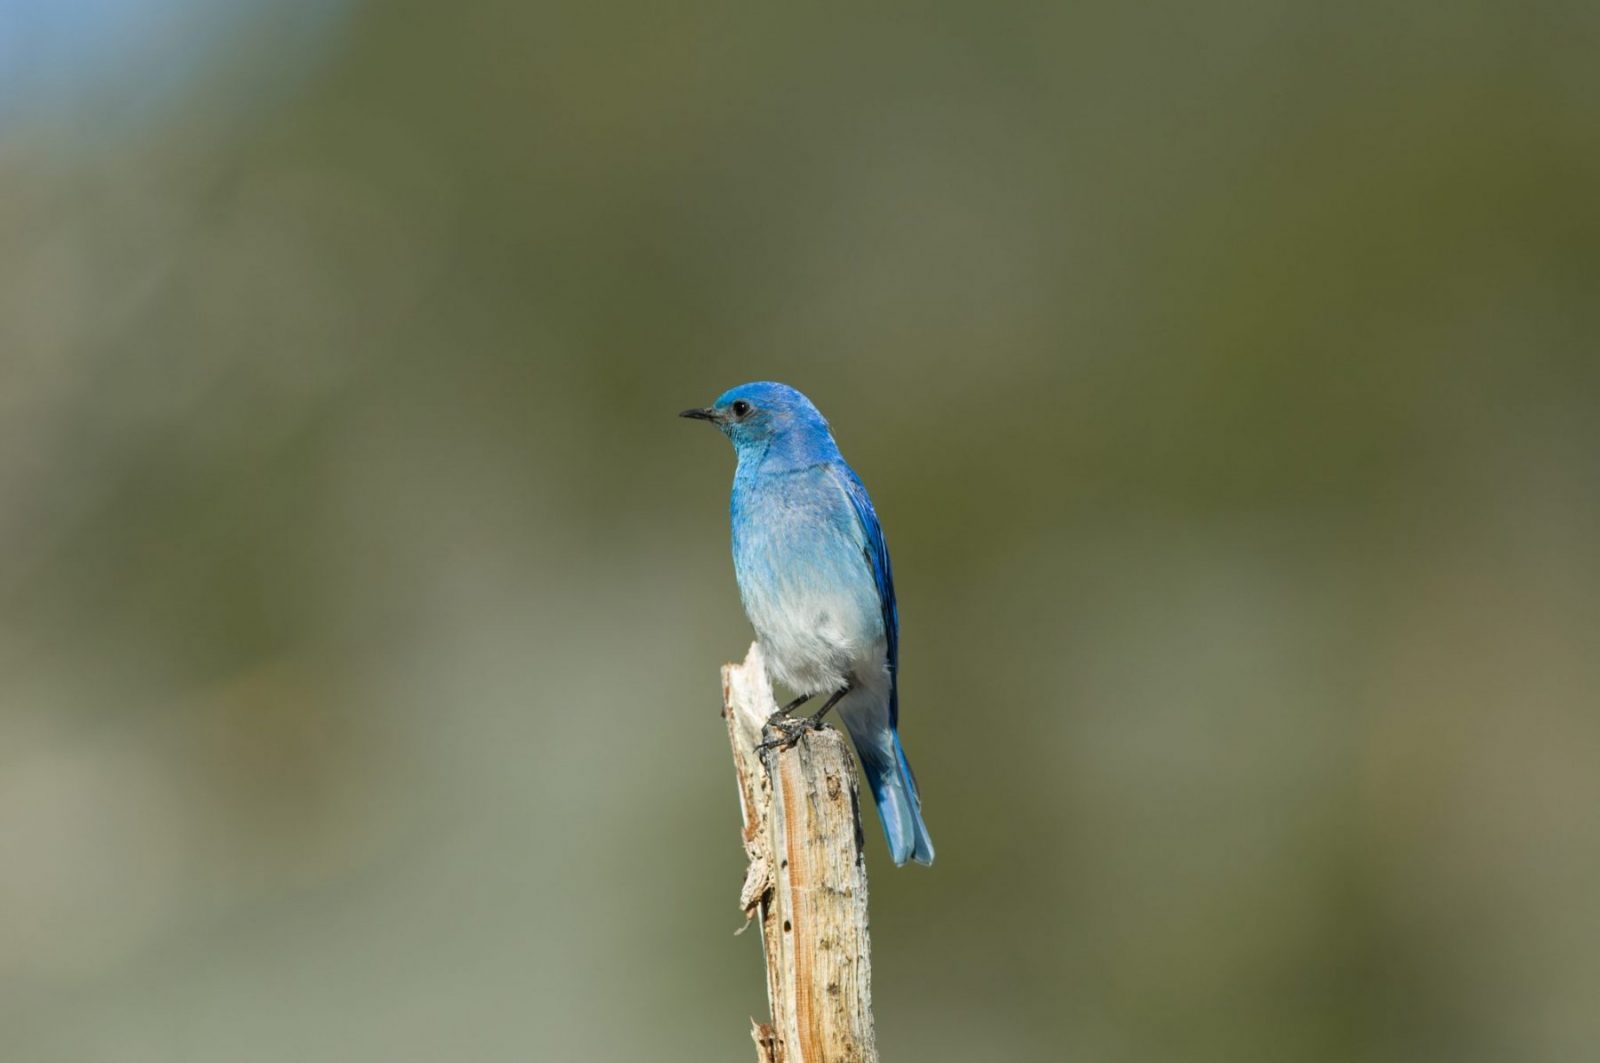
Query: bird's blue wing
(877, 558)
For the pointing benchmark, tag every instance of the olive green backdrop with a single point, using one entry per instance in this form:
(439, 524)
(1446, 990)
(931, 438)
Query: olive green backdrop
(1226, 379)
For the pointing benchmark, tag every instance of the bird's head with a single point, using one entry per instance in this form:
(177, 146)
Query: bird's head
(755, 416)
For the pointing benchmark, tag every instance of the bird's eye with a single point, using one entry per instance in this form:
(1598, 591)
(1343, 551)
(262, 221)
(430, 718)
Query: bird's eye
(741, 408)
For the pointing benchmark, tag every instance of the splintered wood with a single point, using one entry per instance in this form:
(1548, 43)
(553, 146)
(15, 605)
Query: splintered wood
(806, 883)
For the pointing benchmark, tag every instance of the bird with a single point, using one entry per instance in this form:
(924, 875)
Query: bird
(815, 582)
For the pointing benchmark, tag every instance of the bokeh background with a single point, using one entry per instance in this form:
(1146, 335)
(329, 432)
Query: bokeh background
(1225, 375)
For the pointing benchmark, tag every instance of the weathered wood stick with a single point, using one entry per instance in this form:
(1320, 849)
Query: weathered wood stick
(807, 880)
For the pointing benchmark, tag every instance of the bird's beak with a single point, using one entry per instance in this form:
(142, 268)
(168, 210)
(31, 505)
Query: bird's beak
(700, 414)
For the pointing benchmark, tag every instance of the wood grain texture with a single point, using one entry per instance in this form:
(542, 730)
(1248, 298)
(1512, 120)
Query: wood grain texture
(806, 882)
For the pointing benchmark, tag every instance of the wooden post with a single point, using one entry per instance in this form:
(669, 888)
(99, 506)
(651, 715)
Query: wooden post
(807, 880)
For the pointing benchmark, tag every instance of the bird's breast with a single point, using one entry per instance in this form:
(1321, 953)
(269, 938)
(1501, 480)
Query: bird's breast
(805, 583)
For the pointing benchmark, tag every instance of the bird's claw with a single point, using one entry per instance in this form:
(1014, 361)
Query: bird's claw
(786, 731)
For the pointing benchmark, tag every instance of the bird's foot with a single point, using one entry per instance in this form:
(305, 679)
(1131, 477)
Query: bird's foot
(782, 731)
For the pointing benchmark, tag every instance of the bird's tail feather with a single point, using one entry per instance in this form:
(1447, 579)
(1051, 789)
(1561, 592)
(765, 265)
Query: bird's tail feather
(895, 790)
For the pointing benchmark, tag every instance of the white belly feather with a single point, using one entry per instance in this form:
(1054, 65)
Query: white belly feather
(815, 642)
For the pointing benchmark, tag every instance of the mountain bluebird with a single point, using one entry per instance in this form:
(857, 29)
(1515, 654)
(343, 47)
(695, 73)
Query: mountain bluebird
(815, 580)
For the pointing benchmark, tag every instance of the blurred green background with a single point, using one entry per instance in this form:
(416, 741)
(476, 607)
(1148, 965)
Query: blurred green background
(1226, 378)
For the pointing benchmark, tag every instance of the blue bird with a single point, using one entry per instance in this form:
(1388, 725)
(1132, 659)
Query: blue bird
(815, 580)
